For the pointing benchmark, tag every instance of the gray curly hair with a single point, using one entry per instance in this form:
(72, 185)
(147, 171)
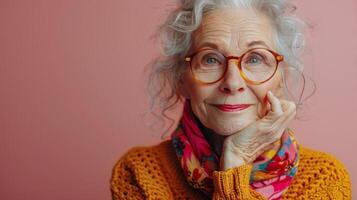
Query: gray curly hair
(176, 33)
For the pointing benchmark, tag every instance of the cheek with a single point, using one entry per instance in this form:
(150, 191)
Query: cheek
(200, 94)
(260, 93)
(262, 90)
(197, 92)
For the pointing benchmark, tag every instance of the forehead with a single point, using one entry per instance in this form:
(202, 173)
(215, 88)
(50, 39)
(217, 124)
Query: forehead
(234, 29)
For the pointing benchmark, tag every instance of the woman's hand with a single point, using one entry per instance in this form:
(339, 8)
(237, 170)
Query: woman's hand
(246, 145)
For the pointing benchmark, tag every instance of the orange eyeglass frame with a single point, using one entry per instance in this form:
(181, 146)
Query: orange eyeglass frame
(277, 56)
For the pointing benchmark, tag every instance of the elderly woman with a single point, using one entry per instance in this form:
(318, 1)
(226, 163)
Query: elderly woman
(227, 61)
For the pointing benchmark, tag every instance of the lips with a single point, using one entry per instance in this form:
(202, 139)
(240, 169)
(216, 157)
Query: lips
(232, 107)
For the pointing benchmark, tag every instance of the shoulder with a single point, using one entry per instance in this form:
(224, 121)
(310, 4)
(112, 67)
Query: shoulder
(143, 157)
(312, 159)
(141, 154)
(139, 171)
(320, 174)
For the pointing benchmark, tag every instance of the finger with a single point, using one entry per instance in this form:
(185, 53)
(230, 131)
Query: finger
(275, 103)
(276, 134)
(290, 114)
(273, 123)
(284, 121)
(288, 106)
(260, 150)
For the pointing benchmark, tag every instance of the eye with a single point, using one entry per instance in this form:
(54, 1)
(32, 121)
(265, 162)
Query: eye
(210, 60)
(254, 59)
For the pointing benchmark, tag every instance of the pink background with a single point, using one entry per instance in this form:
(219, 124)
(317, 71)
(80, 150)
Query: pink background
(72, 92)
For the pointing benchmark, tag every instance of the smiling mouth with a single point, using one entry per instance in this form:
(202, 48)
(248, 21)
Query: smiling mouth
(231, 107)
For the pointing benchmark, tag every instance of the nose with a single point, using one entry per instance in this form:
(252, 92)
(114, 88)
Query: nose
(233, 82)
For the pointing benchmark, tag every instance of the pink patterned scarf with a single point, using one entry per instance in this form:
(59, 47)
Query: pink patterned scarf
(272, 173)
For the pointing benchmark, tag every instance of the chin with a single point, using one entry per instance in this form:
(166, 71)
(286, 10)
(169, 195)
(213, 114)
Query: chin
(229, 127)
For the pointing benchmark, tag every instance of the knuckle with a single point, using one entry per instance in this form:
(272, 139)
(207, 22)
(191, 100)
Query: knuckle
(293, 110)
(290, 108)
(280, 113)
(292, 105)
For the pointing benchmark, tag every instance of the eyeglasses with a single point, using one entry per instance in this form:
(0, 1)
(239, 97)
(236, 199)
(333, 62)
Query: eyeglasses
(256, 66)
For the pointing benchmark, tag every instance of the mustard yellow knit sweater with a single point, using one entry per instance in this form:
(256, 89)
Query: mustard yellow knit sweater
(155, 173)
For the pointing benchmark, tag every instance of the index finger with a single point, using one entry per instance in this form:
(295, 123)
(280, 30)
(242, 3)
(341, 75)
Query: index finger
(276, 106)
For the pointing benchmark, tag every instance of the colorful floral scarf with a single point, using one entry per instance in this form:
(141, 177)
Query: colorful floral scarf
(272, 173)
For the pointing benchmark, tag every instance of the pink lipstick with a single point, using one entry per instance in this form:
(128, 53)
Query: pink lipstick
(232, 107)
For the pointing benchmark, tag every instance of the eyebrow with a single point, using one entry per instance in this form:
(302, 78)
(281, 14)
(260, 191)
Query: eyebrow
(249, 45)
(255, 43)
(208, 44)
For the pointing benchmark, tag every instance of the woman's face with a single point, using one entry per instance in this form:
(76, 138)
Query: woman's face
(233, 32)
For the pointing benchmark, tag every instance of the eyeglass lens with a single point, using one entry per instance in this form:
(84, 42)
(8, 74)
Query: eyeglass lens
(257, 65)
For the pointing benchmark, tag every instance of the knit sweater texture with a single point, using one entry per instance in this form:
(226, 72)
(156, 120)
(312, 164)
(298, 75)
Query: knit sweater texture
(155, 173)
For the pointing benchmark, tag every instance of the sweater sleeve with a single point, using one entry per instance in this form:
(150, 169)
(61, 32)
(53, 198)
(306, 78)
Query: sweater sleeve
(234, 184)
(123, 183)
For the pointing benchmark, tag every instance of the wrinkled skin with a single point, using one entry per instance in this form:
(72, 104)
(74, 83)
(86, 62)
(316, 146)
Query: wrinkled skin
(251, 131)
